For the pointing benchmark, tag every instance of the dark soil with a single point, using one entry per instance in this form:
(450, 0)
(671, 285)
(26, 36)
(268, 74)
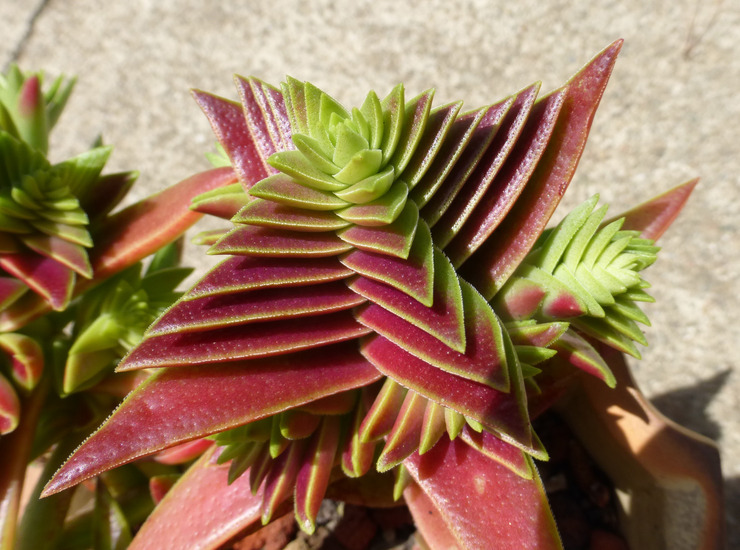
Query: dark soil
(581, 495)
(340, 526)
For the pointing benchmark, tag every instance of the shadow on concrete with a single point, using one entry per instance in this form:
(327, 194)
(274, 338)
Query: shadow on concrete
(688, 406)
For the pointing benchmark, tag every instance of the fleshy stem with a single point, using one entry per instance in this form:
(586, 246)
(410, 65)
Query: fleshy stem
(43, 519)
(15, 450)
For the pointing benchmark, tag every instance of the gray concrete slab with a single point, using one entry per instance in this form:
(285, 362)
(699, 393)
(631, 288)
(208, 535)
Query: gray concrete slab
(17, 18)
(670, 114)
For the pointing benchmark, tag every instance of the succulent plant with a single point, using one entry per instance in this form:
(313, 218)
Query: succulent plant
(391, 301)
(88, 304)
(26, 112)
(44, 221)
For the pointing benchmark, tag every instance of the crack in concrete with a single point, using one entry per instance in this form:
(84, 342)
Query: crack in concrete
(16, 52)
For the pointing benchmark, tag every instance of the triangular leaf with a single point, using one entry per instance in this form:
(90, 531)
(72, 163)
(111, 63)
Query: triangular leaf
(214, 395)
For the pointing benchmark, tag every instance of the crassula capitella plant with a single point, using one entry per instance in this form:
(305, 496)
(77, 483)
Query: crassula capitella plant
(391, 314)
(74, 297)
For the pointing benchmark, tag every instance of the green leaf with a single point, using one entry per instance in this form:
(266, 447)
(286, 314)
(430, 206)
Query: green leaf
(311, 149)
(557, 242)
(368, 189)
(361, 165)
(393, 111)
(56, 98)
(381, 211)
(295, 102)
(285, 190)
(295, 164)
(348, 143)
(372, 112)
(81, 172)
(416, 114)
(593, 268)
(111, 530)
(18, 159)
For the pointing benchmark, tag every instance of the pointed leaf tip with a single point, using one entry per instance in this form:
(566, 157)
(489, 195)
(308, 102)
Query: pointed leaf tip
(215, 398)
(653, 217)
(492, 264)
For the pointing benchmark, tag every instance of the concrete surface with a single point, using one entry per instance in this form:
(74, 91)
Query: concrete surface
(670, 113)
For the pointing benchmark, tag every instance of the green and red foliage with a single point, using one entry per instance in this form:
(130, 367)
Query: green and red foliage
(391, 314)
(74, 298)
(391, 303)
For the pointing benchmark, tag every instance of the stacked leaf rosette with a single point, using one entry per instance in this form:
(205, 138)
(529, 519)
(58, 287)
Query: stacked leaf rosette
(47, 215)
(391, 301)
(47, 211)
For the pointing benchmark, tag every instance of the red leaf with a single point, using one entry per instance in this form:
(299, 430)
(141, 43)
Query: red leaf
(482, 359)
(313, 476)
(281, 478)
(108, 191)
(178, 405)
(298, 424)
(284, 189)
(492, 264)
(394, 239)
(10, 407)
(234, 343)
(382, 414)
(184, 452)
(473, 190)
(519, 300)
(442, 321)
(542, 335)
(159, 486)
(405, 436)
(653, 217)
(267, 213)
(10, 290)
(26, 358)
(433, 426)
(357, 455)
(45, 276)
(238, 274)
(201, 511)
(341, 403)
(576, 350)
(69, 254)
(502, 412)
(224, 203)
(261, 122)
(498, 197)
(415, 119)
(279, 110)
(22, 310)
(262, 241)
(430, 524)
(210, 312)
(463, 147)
(143, 228)
(230, 126)
(413, 276)
(481, 503)
(499, 450)
(437, 127)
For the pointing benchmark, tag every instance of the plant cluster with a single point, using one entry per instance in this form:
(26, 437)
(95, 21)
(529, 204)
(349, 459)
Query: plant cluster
(391, 313)
(74, 298)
